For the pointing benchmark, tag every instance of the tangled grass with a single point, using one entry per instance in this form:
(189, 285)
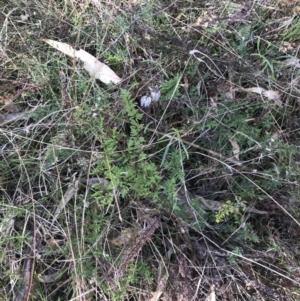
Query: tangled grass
(195, 197)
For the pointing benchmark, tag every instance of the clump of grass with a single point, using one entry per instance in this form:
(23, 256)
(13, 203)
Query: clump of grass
(104, 199)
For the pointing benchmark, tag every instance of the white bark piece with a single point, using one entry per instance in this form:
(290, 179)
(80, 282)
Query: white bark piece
(94, 67)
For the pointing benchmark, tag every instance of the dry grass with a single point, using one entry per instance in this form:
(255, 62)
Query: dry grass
(192, 198)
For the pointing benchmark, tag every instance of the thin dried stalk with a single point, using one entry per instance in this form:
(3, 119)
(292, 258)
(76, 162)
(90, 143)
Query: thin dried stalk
(28, 268)
(132, 252)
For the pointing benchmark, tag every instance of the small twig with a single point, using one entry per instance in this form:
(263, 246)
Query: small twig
(28, 268)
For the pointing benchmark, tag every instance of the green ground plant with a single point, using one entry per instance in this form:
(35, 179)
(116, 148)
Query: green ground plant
(193, 197)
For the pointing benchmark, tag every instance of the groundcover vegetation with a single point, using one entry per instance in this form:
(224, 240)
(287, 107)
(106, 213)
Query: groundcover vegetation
(178, 182)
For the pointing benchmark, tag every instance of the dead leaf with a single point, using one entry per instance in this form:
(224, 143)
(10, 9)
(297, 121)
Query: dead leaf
(214, 102)
(296, 10)
(270, 94)
(7, 118)
(286, 47)
(160, 288)
(287, 23)
(275, 134)
(235, 148)
(225, 87)
(97, 180)
(71, 191)
(294, 62)
(49, 278)
(90, 63)
(212, 295)
(273, 95)
(125, 236)
(53, 243)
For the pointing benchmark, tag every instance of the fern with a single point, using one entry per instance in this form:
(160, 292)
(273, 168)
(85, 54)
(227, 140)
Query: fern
(169, 89)
(228, 209)
(248, 235)
(125, 164)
